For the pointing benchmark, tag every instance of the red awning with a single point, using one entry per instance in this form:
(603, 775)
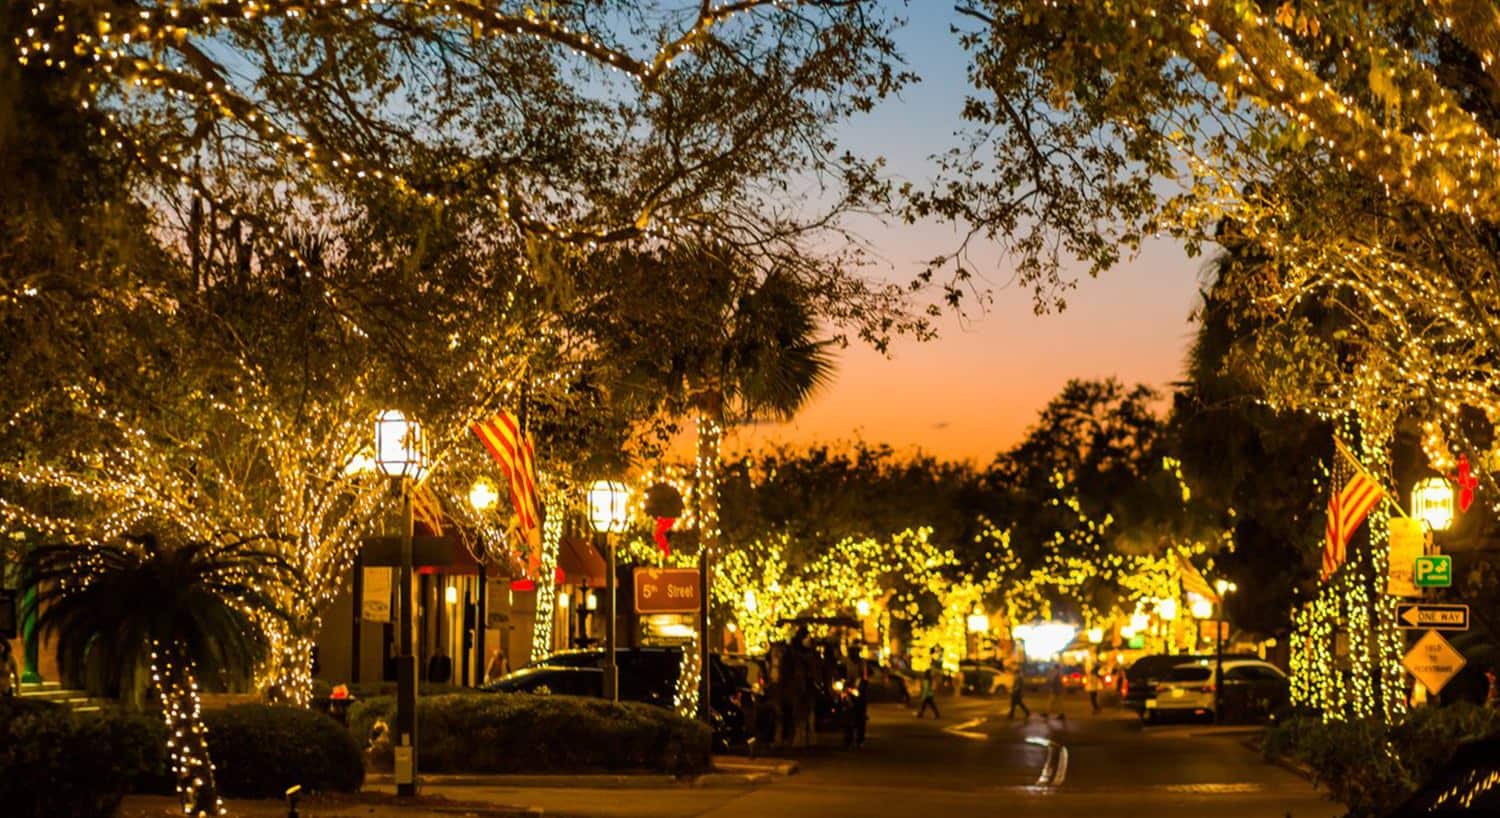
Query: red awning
(580, 563)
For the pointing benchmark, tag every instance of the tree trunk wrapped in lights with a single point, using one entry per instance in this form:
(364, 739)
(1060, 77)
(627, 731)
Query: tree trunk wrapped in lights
(187, 742)
(553, 522)
(1347, 646)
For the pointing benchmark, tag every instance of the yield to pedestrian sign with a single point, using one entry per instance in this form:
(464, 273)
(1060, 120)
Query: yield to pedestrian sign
(1433, 661)
(1434, 572)
(1436, 617)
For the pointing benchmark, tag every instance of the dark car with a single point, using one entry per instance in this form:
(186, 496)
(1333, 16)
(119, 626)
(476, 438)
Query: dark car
(1254, 692)
(1141, 677)
(562, 681)
(647, 675)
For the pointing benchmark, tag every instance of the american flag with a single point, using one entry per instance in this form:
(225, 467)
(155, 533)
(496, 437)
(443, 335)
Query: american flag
(1354, 494)
(513, 450)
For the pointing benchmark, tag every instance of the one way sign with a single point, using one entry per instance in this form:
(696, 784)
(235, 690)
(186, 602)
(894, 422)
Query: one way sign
(1436, 617)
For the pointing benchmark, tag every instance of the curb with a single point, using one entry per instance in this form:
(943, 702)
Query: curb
(587, 782)
(1284, 762)
(779, 767)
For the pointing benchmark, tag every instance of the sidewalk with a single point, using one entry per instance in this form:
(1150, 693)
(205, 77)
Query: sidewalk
(366, 804)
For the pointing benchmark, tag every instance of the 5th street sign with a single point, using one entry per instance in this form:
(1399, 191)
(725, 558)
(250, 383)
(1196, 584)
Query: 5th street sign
(666, 590)
(1436, 617)
(1434, 572)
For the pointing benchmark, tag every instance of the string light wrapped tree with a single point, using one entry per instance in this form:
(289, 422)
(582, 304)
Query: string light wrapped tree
(139, 614)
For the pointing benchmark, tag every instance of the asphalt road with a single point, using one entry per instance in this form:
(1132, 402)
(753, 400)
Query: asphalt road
(973, 762)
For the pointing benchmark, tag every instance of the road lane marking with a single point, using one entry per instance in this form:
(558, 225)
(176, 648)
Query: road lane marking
(962, 729)
(1055, 770)
(1212, 789)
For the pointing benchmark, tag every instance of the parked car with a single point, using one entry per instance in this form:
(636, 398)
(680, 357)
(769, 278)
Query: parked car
(543, 680)
(646, 674)
(1141, 677)
(1252, 689)
(984, 678)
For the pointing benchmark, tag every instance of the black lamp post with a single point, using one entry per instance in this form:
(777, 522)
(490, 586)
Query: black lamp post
(1224, 587)
(608, 501)
(400, 453)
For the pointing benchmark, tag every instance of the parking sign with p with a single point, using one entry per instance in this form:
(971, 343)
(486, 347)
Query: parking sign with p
(1433, 571)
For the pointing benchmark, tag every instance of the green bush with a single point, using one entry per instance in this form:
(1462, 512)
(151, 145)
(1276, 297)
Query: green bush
(519, 733)
(260, 750)
(1371, 767)
(55, 762)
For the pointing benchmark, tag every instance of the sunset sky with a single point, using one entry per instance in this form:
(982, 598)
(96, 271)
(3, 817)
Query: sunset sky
(973, 391)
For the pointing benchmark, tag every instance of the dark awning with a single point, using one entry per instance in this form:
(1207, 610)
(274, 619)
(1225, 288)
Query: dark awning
(580, 563)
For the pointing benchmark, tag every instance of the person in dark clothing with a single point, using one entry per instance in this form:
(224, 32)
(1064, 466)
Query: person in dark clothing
(856, 688)
(929, 698)
(1017, 687)
(1055, 694)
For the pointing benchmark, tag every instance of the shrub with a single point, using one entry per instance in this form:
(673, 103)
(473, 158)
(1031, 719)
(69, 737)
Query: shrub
(55, 762)
(1371, 767)
(520, 732)
(260, 750)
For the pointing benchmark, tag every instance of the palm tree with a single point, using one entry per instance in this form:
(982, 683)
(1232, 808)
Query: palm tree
(762, 359)
(139, 615)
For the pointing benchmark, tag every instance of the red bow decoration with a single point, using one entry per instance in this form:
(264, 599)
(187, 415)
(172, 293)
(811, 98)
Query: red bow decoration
(1466, 482)
(663, 525)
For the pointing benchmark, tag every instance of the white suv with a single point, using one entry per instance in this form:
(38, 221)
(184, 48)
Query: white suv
(1188, 688)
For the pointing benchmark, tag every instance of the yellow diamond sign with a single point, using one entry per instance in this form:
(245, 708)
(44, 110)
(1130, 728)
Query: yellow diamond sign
(1433, 661)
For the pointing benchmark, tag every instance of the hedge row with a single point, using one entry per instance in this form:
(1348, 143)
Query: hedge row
(523, 733)
(54, 762)
(1371, 767)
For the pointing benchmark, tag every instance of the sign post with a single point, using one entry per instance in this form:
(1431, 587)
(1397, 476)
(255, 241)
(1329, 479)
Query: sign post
(1433, 661)
(1434, 572)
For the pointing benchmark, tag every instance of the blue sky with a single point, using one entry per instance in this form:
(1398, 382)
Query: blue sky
(973, 392)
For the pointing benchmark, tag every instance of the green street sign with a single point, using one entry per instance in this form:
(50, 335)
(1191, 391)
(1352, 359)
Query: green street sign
(1433, 572)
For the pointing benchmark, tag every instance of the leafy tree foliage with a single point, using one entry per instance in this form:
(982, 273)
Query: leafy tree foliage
(1341, 151)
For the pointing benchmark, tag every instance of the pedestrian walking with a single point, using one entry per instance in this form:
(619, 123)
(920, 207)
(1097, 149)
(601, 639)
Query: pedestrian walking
(1054, 693)
(856, 688)
(1093, 684)
(929, 699)
(498, 666)
(1017, 687)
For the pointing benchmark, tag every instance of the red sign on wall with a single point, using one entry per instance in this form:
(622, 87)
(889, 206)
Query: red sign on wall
(666, 590)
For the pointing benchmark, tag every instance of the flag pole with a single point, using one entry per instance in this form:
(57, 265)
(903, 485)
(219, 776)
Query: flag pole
(1354, 461)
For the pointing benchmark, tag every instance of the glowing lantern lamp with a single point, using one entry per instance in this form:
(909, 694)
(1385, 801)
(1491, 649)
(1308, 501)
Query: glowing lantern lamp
(1201, 607)
(400, 450)
(608, 500)
(978, 622)
(1096, 635)
(1167, 609)
(862, 608)
(483, 495)
(1432, 503)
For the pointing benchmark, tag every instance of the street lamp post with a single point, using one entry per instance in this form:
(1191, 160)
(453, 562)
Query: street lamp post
(482, 497)
(607, 514)
(400, 453)
(1223, 587)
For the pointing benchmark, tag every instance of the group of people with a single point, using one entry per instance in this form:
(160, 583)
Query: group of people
(1054, 685)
